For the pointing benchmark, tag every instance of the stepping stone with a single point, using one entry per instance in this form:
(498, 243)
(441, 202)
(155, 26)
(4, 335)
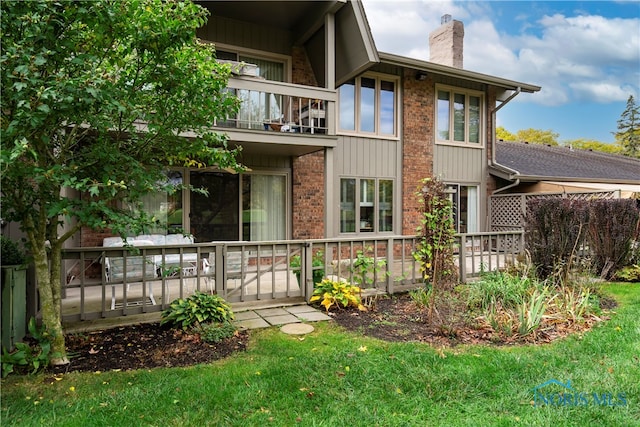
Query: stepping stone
(297, 329)
(313, 316)
(267, 312)
(297, 309)
(252, 323)
(245, 315)
(282, 319)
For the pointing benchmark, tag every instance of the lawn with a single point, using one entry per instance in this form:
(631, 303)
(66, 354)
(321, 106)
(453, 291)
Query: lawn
(334, 377)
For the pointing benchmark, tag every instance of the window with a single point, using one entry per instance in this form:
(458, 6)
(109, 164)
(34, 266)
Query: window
(458, 117)
(366, 205)
(369, 105)
(165, 206)
(257, 107)
(465, 207)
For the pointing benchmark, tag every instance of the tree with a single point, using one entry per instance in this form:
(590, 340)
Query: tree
(503, 134)
(97, 97)
(537, 136)
(590, 144)
(533, 136)
(628, 135)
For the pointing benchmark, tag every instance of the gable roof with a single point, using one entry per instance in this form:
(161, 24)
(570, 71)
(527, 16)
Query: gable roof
(537, 162)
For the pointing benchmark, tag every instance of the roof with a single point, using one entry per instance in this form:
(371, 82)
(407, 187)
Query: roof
(432, 67)
(537, 162)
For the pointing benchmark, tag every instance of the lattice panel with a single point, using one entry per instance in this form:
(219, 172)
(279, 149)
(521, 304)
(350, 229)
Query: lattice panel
(507, 212)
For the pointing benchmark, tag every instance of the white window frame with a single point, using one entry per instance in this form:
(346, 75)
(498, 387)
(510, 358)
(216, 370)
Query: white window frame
(455, 198)
(375, 205)
(377, 115)
(452, 90)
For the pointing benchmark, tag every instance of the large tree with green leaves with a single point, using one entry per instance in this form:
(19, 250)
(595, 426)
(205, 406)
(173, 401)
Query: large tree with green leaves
(628, 134)
(98, 99)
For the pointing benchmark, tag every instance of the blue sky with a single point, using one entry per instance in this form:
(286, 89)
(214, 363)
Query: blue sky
(584, 54)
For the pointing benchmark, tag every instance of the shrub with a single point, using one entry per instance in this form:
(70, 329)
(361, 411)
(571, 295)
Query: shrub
(554, 229)
(10, 253)
(317, 261)
(28, 358)
(630, 273)
(365, 268)
(437, 234)
(422, 297)
(198, 308)
(213, 333)
(337, 293)
(502, 288)
(613, 225)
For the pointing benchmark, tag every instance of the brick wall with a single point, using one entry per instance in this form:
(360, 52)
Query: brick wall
(308, 196)
(417, 154)
(308, 171)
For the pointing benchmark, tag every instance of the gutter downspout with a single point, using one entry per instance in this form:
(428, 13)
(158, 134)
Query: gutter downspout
(493, 161)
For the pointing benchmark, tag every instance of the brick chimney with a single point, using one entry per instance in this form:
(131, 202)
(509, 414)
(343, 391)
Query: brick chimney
(445, 42)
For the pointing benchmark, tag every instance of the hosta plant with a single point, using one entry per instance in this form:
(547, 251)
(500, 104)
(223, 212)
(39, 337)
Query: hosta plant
(198, 308)
(337, 293)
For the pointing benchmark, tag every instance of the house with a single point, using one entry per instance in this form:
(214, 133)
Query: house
(337, 135)
(523, 171)
(537, 168)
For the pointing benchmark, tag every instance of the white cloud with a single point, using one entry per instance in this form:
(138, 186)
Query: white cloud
(583, 58)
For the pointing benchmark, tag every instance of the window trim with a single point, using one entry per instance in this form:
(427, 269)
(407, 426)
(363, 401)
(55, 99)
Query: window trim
(267, 56)
(456, 205)
(453, 90)
(376, 206)
(378, 77)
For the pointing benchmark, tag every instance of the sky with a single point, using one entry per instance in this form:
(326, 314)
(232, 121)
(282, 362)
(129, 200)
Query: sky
(584, 54)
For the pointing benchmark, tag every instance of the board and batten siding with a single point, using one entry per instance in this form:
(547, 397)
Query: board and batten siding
(459, 164)
(366, 157)
(247, 35)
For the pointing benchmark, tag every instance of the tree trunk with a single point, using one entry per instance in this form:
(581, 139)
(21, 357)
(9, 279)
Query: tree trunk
(48, 281)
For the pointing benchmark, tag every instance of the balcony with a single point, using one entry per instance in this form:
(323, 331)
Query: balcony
(281, 117)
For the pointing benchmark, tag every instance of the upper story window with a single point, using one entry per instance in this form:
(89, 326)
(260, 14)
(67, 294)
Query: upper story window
(368, 104)
(267, 69)
(459, 116)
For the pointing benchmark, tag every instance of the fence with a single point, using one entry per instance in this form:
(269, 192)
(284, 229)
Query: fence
(150, 277)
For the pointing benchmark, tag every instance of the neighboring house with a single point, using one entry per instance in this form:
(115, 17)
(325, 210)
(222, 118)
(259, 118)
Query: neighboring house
(524, 171)
(337, 135)
(537, 168)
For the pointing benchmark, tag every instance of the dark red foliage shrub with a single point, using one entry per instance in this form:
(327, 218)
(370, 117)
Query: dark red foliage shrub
(554, 230)
(613, 227)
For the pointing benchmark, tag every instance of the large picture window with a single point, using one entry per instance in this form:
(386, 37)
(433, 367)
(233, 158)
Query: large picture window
(366, 205)
(369, 105)
(458, 116)
(232, 207)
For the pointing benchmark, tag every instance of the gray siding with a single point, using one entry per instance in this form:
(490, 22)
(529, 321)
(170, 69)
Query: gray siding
(267, 162)
(358, 156)
(459, 164)
(243, 34)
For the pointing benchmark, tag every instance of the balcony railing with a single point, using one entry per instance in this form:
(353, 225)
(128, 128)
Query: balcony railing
(281, 107)
(106, 282)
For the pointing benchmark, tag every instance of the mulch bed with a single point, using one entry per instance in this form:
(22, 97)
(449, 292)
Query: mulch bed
(391, 318)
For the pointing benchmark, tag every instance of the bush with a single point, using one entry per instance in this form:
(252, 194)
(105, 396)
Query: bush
(498, 288)
(337, 293)
(10, 253)
(213, 333)
(318, 261)
(28, 358)
(613, 226)
(365, 268)
(197, 309)
(554, 230)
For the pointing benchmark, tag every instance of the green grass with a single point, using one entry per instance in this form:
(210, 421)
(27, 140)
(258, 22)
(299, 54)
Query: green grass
(332, 377)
